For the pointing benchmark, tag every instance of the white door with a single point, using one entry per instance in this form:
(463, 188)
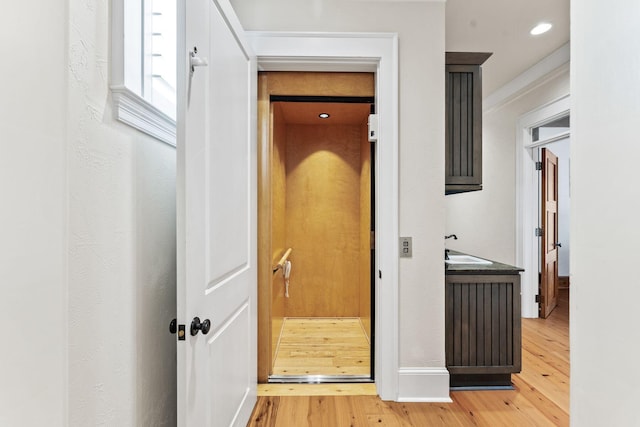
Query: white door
(216, 210)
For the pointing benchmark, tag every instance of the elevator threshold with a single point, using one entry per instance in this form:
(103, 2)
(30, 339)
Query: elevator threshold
(318, 379)
(329, 389)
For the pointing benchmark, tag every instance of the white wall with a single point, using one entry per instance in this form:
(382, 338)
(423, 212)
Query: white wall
(420, 28)
(605, 196)
(121, 247)
(485, 221)
(89, 247)
(33, 213)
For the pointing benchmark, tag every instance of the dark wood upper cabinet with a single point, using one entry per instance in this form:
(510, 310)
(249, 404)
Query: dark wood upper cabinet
(464, 121)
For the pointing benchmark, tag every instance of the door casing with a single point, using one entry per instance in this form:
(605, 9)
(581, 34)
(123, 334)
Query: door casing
(527, 251)
(377, 53)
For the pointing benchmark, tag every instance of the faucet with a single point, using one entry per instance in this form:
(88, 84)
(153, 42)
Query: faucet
(446, 251)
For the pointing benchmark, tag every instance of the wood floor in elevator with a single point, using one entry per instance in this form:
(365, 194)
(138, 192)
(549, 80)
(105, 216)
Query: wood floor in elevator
(323, 347)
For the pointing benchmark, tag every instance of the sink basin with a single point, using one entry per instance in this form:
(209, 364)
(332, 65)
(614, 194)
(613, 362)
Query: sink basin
(466, 259)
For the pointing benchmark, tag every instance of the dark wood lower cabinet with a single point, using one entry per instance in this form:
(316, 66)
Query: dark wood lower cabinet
(483, 329)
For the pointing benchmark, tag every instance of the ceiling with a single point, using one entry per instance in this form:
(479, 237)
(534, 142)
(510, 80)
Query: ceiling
(502, 27)
(498, 26)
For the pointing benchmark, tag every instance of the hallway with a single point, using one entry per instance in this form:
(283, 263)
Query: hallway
(540, 397)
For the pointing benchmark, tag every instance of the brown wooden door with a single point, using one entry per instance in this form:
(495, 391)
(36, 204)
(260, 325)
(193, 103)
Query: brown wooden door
(549, 247)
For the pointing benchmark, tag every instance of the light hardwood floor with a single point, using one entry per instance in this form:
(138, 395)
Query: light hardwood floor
(322, 346)
(540, 398)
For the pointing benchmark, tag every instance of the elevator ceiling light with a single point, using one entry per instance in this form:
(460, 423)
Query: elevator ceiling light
(541, 28)
(323, 115)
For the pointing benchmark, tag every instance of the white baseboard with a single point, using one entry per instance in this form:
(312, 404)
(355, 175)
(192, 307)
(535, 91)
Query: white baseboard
(423, 385)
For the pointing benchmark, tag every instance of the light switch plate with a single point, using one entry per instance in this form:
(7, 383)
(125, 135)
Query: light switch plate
(406, 247)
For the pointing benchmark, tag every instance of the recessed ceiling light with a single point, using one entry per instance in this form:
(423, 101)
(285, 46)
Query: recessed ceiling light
(323, 115)
(541, 28)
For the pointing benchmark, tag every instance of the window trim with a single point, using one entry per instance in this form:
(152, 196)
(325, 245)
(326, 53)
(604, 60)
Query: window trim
(129, 106)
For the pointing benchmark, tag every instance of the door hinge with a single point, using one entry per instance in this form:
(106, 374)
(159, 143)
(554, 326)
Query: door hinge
(538, 166)
(538, 231)
(372, 239)
(538, 299)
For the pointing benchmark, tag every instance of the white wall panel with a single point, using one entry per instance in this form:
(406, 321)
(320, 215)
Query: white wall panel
(605, 200)
(33, 213)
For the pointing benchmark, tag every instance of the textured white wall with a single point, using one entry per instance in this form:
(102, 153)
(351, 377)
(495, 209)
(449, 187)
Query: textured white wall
(88, 232)
(121, 247)
(605, 196)
(33, 213)
(484, 221)
(420, 28)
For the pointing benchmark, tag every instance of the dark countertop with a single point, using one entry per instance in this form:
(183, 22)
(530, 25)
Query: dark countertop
(494, 268)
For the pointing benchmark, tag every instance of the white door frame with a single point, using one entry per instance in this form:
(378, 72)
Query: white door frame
(527, 254)
(360, 52)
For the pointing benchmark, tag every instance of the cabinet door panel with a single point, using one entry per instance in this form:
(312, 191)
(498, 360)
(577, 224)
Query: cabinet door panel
(483, 325)
(464, 126)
